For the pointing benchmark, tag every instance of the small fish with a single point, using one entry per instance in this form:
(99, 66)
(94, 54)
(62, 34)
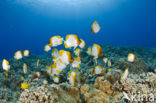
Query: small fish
(24, 68)
(97, 51)
(25, 85)
(47, 48)
(54, 65)
(125, 74)
(56, 71)
(109, 63)
(45, 81)
(72, 78)
(76, 63)
(71, 41)
(82, 43)
(89, 51)
(53, 70)
(98, 69)
(77, 52)
(65, 57)
(5, 65)
(55, 53)
(56, 79)
(55, 41)
(105, 60)
(18, 55)
(49, 70)
(26, 53)
(60, 65)
(38, 62)
(131, 57)
(95, 28)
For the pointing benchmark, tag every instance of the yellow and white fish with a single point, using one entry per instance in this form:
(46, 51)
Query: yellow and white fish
(76, 63)
(55, 41)
(105, 60)
(5, 65)
(97, 51)
(47, 48)
(89, 51)
(98, 69)
(131, 57)
(49, 70)
(56, 71)
(57, 68)
(72, 41)
(45, 81)
(60, 65)
(82, 43)
(53, 69)
(26, 53)
(72, 78)
(65, 57)
(38, 62)
(95, 28)
(55, 53)
(125, 74)
(56, 79)
(77, 52)
(109, 63)
(24, 68)
(18, 55)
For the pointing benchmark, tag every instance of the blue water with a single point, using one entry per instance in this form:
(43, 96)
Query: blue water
(28, 24)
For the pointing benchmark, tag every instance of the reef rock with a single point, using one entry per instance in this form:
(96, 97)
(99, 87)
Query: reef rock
(51, 94)
(114, 75)
(135, 84)
(96, 96)
(102, 92)
(138, 67)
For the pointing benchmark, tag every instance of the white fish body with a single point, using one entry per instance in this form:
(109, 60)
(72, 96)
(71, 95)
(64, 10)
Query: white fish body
(125, 74)
(5, 65)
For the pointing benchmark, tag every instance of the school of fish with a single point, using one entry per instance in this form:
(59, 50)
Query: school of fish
(63, 58)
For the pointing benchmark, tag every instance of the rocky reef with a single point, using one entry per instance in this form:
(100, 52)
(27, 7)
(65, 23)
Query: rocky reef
(62, 93)
(106, 87)
(103, 91)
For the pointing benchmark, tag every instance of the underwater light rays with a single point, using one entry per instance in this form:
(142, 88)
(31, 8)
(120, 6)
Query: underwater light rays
(82, 7)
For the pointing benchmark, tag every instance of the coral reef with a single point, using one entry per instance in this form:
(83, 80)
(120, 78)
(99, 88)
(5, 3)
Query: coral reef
(104, 88)
(143, 84)
(5, 94)
(100, 93)
(114, 75)
(137, 67)
(51, 94)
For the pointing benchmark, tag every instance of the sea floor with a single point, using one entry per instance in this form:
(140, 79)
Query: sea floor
(104, 88)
